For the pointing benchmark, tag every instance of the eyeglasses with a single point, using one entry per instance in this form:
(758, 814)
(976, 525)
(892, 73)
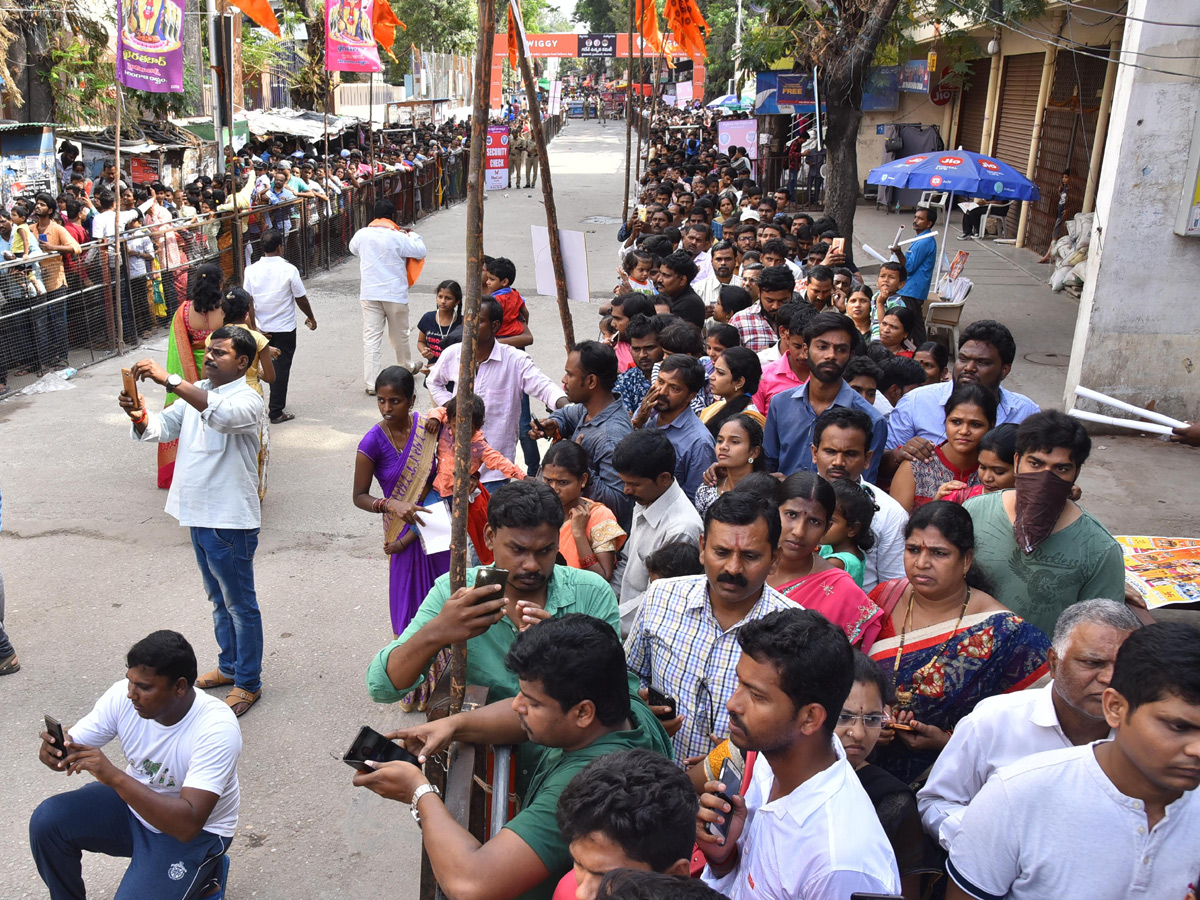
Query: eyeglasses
(869, 720)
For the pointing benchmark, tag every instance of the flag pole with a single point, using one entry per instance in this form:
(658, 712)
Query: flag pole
(539, 137)
(117, 235)
(637, 165)
(628, 113)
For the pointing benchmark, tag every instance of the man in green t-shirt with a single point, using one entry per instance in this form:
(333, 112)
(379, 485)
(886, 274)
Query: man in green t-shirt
(574, 700)
(1040, 550)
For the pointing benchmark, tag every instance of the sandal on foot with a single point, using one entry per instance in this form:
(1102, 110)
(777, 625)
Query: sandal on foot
(282, 417)
(240, 700)
(10, 665)
(213, 679)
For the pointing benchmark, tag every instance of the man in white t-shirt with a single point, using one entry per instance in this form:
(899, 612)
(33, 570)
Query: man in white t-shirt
(275, 285)
(801, 825)
(174, 808)
(384, 249)
(1109, 820)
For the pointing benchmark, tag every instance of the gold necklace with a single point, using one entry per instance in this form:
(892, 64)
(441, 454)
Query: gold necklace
(905, 697)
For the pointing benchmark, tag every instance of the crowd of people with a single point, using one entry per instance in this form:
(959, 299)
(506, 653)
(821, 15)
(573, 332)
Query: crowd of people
(795, 602)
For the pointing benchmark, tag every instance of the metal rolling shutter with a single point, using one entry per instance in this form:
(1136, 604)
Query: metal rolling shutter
(974, 107)
(1015, 114)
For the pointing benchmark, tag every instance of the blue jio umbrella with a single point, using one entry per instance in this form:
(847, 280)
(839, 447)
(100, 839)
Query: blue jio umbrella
(956, 171)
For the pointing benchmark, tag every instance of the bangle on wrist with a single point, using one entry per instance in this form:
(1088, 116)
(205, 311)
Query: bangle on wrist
(588, 561)
(142, 418)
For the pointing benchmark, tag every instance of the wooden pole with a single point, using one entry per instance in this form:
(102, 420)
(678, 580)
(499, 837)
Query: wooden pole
(466, 366)
(637, 164)
(628, 114)
(117, 237)
(539, 138)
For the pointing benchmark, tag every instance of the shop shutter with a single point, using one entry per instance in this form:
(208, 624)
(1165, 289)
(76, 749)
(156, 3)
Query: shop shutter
(974, 107)
(1016, 113)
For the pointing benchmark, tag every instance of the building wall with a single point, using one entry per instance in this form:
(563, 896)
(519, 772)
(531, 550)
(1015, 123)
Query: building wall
(1138, 332)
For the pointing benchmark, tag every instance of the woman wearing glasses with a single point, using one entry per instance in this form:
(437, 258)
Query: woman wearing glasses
(858, 728)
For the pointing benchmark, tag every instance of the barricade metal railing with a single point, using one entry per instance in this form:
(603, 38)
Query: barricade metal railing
(59, 311)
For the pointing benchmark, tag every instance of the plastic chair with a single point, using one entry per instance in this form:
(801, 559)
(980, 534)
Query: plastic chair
(999, 216)
(944, 315)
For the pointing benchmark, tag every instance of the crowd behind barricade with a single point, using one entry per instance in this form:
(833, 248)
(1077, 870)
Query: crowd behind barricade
(796, 603)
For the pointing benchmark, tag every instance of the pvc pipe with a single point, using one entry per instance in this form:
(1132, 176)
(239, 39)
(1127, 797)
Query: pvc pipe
(1120, 423)
(1089, 394)
(871, 252)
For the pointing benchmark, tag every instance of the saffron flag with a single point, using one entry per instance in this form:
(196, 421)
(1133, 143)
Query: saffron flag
(260, 11)
(685, 21)
(384, 22)
(647, 16)
(512, 39)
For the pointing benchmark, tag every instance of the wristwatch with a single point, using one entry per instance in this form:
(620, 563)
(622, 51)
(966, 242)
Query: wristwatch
(417, 795)
(173, 381)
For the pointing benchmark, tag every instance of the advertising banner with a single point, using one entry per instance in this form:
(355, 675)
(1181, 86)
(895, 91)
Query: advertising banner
(914, 76)
(149, 49)
(738, 133)
(350, 37)
(495, 170)
(593, 46)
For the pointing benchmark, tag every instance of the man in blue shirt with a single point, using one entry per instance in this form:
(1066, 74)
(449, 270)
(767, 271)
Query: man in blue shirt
(918, 261)
(986, 351)
(787, 438)
(680, 378)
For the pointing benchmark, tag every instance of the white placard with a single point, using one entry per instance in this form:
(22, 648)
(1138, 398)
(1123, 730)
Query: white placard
(434, 527)
(574, 258)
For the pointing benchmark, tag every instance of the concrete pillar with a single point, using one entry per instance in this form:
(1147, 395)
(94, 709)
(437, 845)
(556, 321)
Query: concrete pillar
(1137, 336)
(1035, 144)
(1110, 80)
(990, 107)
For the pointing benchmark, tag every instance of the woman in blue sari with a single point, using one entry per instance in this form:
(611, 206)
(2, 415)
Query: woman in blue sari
(946, 644)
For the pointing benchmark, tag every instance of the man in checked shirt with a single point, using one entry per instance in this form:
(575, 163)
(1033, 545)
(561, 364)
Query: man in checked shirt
(683, 641)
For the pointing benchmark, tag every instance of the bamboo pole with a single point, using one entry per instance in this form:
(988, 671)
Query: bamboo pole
(466, 365)
(628, 114)
(117, 237)
(637, 166)
(539, 138)
(371, 133)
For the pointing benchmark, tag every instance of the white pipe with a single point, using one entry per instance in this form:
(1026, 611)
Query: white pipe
(941, 249)
(1120, 423)
(920, 237)
(1089, 394)
(871, 252)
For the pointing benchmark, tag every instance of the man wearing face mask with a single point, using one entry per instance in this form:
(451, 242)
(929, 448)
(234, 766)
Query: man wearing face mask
(1041, 551)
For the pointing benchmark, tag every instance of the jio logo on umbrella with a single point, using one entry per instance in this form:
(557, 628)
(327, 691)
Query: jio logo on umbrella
(914, 160)
(935, 181)
(989, 165)
(950, 161)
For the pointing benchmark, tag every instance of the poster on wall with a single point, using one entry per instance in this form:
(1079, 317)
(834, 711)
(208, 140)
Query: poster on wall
(149, 45)
(350, 37)
(594, 46)
(738, 133)
(495, 173)
(143, 170)
(27, 166)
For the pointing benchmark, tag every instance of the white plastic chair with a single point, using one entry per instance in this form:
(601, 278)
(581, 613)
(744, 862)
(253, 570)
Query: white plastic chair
(944, 315)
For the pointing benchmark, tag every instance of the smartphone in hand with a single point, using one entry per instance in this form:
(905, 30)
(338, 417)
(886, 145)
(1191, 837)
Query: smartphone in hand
(731, 777)
(130, 385)
(55, 730)
(658, 698)
(491, 575)
(371, 746)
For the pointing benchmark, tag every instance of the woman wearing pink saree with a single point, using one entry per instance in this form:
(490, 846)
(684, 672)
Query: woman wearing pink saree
(806, 505)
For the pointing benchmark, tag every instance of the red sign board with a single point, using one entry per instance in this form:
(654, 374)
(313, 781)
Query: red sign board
(940, 94)
(495, 170)
(143, 171)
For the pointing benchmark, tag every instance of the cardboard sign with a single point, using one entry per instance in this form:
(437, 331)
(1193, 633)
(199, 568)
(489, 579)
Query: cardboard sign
(495, 171)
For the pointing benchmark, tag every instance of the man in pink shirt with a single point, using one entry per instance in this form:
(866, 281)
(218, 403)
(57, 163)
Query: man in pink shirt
(791, 369)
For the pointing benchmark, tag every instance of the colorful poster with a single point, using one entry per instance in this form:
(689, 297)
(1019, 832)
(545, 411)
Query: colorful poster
(350, 37)
(738, 133)
(1162, 570)
(495, 170)
(149, 49)
(597, 46)
(914, 76)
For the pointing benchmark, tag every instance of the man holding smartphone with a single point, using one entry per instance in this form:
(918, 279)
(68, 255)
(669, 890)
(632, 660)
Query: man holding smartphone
(174, 808)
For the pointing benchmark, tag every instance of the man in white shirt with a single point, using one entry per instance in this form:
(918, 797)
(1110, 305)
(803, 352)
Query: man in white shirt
(1110, 820)
(174, 808)
(384, 249)
(683, 641)
(214, 492)
(1005, 729)
(503, 376)
(842, 449)
(644, 460)
(275, 285)
(801, 825)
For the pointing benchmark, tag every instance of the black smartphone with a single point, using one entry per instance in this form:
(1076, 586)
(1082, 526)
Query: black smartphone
(372, 746)
(658, 698)
(55, 730)
(492, 575)
(731, 777)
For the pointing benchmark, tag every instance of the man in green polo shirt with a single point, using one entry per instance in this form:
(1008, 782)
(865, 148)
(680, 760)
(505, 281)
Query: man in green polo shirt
(524, 518)
(573, 699)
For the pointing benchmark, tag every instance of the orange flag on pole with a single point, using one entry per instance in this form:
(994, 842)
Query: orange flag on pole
(684, 20)
(383, 24)
(648, 24)
(260, 11)
(512, 39)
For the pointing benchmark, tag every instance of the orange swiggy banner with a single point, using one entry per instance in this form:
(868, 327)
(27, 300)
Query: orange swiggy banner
(566, 45)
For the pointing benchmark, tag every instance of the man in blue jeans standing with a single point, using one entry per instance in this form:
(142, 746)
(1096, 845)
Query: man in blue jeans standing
(215, 494)
(172, 810)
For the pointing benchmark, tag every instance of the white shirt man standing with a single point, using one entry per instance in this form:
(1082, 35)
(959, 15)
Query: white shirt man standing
(275, 285)
(1005, 729)
(214, 492)
(384, 249)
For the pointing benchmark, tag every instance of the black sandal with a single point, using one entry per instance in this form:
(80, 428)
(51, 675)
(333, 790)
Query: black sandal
(282, 417)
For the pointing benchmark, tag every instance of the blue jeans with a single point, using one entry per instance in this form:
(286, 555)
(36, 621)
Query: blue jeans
(529, 447)
(96, 819)
(226, 560)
